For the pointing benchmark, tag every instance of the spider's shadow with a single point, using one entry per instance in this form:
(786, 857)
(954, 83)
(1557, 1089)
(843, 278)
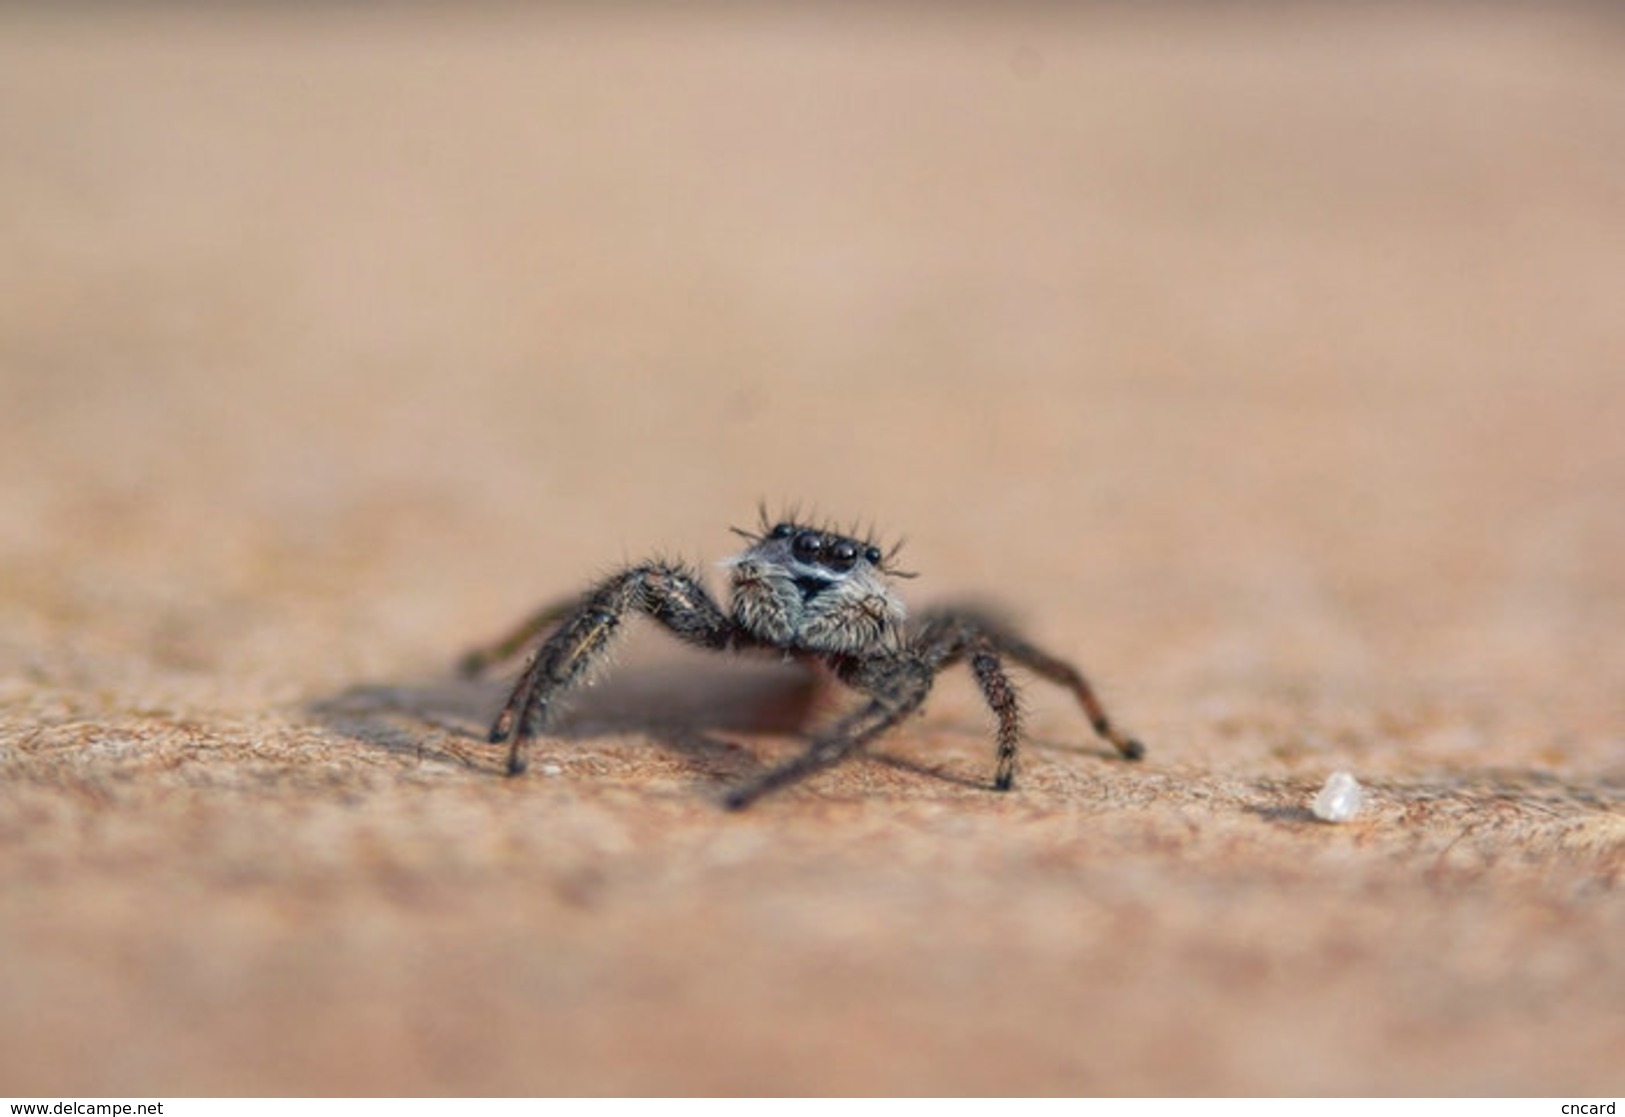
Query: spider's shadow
(681, 707)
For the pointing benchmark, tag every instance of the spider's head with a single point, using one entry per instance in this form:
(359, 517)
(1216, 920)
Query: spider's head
(806, 588)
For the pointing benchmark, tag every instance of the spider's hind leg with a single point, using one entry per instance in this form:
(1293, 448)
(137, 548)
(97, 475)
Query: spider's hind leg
(476, 661)
(1062, 673)
(950, 634)
(1003, 699)
(945, 638)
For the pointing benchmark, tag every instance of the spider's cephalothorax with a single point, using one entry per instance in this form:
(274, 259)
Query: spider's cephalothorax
(807, 590)
(809, 593)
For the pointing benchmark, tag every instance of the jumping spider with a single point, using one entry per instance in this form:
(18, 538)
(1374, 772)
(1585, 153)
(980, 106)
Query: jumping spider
(810, 594)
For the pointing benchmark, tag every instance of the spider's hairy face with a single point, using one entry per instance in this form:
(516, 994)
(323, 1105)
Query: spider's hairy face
(808, 589)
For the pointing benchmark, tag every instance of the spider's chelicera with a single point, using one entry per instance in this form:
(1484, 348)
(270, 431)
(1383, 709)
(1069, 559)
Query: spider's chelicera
(807, 593)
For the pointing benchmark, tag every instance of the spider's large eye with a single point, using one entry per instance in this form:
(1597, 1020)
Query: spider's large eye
(780, 531)
(842, 556)
(808, 546)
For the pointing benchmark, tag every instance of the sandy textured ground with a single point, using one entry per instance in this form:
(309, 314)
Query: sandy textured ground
(1271, 364)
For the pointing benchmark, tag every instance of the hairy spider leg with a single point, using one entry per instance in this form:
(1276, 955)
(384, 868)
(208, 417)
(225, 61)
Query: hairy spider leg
(1043, 664)
(899, 684)
(1002, 697)
(668, 594)
(897, 687)
(477, 660)
(946, 638)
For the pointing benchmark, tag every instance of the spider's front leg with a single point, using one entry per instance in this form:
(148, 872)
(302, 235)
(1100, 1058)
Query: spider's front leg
(897, 685)
(669, 594)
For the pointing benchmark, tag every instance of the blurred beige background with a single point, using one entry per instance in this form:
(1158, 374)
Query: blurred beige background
(1271, 362)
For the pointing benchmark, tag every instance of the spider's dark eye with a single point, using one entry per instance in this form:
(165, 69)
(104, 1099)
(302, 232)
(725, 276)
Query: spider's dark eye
(780, 531)
(872, 556)
(842, 556)
(808, 546)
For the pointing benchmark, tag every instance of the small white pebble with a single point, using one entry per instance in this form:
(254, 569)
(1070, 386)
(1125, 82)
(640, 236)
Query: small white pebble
(1339, 800)
(551, 770)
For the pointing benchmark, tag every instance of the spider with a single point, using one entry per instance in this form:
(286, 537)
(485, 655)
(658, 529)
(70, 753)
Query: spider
(810, 594)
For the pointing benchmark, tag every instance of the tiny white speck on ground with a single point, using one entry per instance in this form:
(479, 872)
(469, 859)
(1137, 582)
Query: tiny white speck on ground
(1339, 800)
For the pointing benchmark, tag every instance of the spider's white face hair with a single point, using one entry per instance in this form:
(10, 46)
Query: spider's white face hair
(805, 589)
